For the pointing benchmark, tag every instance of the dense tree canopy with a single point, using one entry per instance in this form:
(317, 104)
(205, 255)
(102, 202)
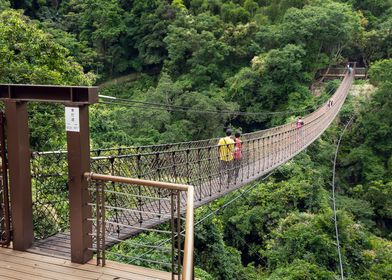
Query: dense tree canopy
(29, 55)
(208, 57)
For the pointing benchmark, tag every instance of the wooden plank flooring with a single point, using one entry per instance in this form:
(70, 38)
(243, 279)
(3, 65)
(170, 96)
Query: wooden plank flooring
(58, 245)
(25, 266)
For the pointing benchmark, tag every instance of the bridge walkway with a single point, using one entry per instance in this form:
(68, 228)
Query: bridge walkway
(195, 163)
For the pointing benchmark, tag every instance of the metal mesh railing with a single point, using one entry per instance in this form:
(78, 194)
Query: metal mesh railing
(195, 163)
(50, 193)
(121, 210)
(5, 215)
(341, 71)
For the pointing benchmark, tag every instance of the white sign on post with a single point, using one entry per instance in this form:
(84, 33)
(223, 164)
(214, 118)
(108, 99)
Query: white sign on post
(72, 119)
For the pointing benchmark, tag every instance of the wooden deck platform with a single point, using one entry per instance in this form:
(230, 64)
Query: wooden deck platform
(26, 266)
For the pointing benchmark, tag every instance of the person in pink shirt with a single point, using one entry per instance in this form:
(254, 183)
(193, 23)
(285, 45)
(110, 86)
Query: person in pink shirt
(300, 123)
(300, 127)
(237, 154)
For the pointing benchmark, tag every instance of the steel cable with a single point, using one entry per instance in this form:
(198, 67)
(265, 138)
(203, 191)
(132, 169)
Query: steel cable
(334, 197)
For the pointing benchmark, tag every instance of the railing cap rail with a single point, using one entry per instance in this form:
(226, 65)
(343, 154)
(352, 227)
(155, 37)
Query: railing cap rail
(134, 181)
(187, 272)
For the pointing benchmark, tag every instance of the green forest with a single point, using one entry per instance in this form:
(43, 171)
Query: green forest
(216, 58)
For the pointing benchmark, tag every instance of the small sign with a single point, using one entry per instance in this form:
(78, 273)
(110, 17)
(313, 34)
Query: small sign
(72, 119)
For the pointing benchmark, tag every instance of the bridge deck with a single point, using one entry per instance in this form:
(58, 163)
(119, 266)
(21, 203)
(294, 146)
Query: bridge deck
(331, 75)
(336, 72)
(24, 265)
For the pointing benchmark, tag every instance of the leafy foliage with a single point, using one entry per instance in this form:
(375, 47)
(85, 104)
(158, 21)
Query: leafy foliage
(210, 56)
(28, 55)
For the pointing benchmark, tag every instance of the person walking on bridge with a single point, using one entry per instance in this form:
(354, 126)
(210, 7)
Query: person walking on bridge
(226, 148)
(300, 128)
(349, 69)
(300, 123)
(237, 155)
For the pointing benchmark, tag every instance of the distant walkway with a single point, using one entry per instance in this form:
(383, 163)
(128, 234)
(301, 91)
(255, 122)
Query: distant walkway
(340, 72)
(122, 79)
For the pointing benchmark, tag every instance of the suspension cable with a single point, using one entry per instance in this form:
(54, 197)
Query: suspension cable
(111, 100)
(171, 109)
(232, 200)
(213, 212)
(334, 198)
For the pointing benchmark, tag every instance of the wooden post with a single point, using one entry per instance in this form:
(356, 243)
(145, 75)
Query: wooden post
(19, 174)
(15, 98)
(78, 143)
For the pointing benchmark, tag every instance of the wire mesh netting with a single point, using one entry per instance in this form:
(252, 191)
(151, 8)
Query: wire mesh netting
(3, 227)
(50, 193)
(5, 215)
(122, 210)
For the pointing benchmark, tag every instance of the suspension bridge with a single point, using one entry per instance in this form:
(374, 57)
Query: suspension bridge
(130, 190)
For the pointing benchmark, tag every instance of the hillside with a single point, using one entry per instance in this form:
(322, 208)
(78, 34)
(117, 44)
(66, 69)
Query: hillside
(189, 69)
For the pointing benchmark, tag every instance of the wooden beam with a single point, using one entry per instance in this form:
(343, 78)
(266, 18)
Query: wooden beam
(44, 93)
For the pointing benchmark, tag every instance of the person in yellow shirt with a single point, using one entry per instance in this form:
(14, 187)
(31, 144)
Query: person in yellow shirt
(226, 149)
